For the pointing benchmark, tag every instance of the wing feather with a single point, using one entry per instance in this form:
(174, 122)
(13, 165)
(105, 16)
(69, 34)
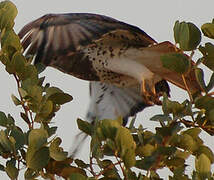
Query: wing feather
(150, 57)
(57, 34)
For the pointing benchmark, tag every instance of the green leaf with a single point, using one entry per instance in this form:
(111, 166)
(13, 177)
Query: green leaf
(105, 133)
(177, 31)
(37, 160)
(169, 151)
(77, 176)
(3, 119)
(187, 35)
(126, 145)
(145, 150)
(2, 168)
(34, 95)
(30, 174)
(22, 92)
(176, 62)
(161, 117)
(19, 137)
(60, 98)
(70, 172)
(208, 30)
(81, 163)
(199, 73)
(57, 152)
(16, 65)
(179, 173)
(85, 126)
(37, 154)
(5, 141)
(211, 83)
(111, 173)
(146, 163)
(28, 83)
(15, 100)
(51, 131)
(109, 128)
(10, 120)
(205, 102)
(194, 133)
(40, 67)
(110, 147)
(46, 109)
(10, 43)
(203, 165)
(52, 90)
(172, 106)
(130, 175)
(188, 143)
(208, 55)
(168, 130)
(182, 154)
(96, 147)
(207, 151)
(194, 36)
(175, 162)
(11, 170)
(4, 58)
(29, 71)
(37, 138)
(210, 116)
(8, 12)
(19, 62)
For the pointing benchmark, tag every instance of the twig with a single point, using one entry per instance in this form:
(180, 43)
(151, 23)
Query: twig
(187, 88)
(119, 163)
(188, 123)
(22, 104)
(192, 54)
(91, 167)
(210, 94)
(160, 157)
(108, 167)
(208, 129)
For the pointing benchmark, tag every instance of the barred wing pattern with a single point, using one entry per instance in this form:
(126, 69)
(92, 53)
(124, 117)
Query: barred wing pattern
(59, 38)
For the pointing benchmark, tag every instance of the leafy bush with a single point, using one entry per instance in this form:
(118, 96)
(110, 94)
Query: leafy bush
(117, 152)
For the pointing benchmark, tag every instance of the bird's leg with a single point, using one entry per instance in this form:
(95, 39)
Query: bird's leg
(148, 90)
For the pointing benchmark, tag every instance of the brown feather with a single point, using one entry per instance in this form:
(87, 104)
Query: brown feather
(150, 57)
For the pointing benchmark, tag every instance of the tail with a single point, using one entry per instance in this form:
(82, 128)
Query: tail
(109, 102)
(77, 145)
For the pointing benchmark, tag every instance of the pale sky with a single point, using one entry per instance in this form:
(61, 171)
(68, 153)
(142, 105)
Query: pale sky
(155, 17)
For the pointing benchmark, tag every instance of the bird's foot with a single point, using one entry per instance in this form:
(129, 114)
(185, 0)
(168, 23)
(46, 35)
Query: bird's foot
(149, 93)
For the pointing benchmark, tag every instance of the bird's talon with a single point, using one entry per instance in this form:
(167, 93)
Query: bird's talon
(149, 93)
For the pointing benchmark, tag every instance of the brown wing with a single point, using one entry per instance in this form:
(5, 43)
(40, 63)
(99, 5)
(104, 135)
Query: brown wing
(150, 57)
(55, 35)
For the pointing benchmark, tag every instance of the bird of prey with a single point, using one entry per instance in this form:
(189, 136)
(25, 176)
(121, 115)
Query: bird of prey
(120, 60)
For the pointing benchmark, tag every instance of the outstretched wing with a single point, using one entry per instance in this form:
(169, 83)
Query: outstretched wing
(55, 35)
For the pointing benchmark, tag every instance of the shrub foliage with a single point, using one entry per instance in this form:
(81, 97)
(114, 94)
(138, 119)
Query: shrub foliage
(117, 152)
